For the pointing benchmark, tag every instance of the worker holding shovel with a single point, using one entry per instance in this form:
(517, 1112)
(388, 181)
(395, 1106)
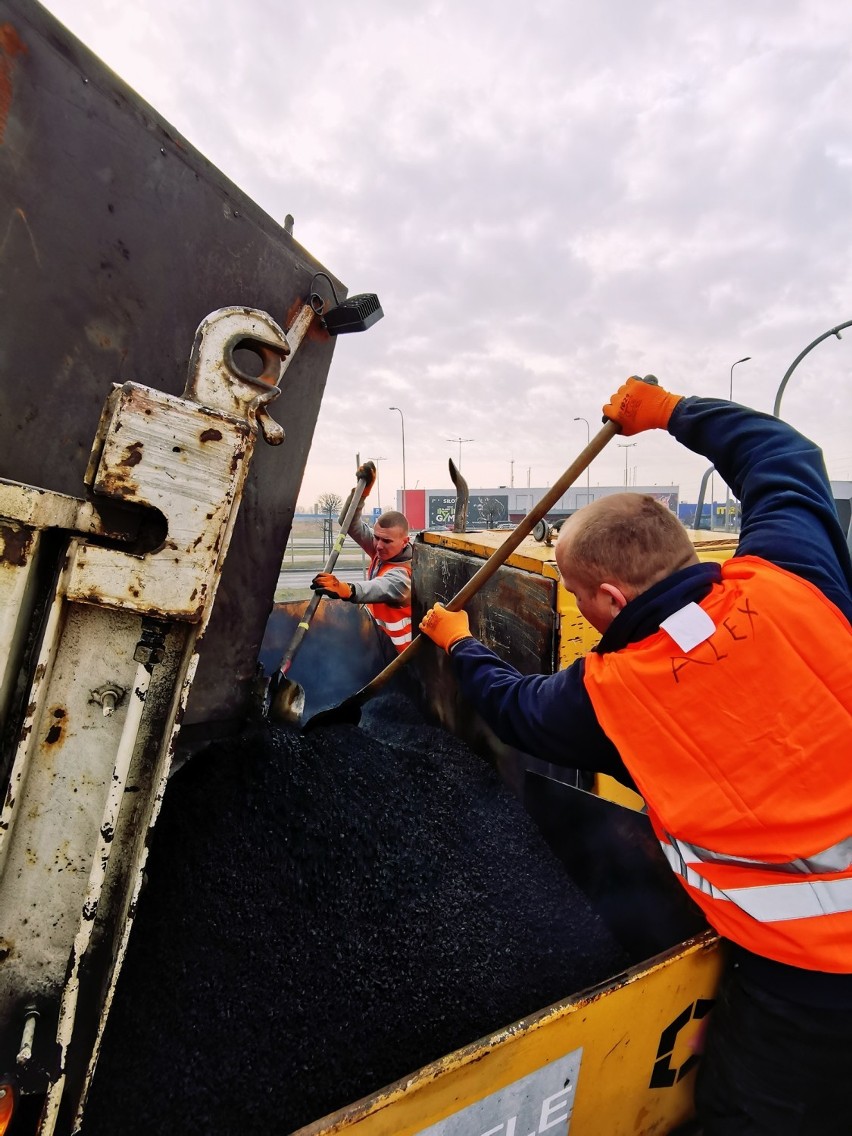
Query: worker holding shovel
(723, 694)
(386, 592)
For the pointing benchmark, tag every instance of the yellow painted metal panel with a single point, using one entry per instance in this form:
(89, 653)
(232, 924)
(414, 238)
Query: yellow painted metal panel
(640, 1026)
(712, 539)
(613, 790)
(720, 555)
(576, 636)
(529, 555)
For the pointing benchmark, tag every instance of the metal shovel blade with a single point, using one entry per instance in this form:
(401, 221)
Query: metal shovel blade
(347, 713)
(287, 701)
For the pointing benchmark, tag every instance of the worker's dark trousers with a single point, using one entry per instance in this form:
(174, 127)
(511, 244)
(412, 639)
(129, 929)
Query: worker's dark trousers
(774, 1068)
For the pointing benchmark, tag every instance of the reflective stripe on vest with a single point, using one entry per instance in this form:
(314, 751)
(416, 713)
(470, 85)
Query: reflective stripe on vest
(394, 621)
(767, 903)
(740, 744)
(834, 859)
(399, 632)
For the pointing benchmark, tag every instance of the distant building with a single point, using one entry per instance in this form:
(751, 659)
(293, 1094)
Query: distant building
(713, 514)
(725, 515)
(491, 508)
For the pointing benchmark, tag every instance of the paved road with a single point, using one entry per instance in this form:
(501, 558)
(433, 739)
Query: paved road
(299, 578)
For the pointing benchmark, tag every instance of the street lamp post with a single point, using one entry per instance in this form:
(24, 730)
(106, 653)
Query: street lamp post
(588, 436)
(744, 359)
(626, 446)
(776, 410)
(460, 441)
(378, 483)
(402, 427)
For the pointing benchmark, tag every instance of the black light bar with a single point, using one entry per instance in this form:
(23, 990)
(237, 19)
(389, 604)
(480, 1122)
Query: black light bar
(356, 313)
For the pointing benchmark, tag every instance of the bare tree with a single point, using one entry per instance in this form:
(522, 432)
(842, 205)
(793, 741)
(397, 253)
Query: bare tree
(329, 503)
(491, 511)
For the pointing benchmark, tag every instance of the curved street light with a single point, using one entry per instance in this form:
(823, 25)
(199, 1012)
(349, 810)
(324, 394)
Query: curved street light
(402, 425)
(744, 359)
(831, 331)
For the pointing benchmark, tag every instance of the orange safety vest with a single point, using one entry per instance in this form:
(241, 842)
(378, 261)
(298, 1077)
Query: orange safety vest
(394, 621)
(741, 745)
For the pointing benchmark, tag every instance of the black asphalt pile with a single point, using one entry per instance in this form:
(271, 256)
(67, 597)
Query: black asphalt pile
(325, 914)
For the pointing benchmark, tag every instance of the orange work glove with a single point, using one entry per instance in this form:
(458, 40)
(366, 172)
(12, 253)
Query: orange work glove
(639, 405)
(328, 585)
(366, 472)
(444, 627)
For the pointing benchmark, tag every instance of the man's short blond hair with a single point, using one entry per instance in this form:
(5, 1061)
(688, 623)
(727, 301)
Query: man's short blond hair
(628, 539)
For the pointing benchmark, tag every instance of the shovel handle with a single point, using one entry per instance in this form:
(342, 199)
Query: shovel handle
(299, 634)
(500, 555)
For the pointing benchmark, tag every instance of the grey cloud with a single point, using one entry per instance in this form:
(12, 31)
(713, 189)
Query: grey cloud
(545, 198)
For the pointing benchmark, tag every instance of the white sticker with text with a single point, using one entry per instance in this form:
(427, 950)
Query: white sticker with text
(537, 1104)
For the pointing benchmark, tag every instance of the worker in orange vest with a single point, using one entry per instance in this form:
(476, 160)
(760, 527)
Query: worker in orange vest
(723, 694)
(386, 592)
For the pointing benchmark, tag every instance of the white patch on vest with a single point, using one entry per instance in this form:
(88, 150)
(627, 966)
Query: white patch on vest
(689, 626)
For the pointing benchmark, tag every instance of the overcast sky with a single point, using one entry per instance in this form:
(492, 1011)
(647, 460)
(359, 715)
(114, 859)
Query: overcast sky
(547, 197)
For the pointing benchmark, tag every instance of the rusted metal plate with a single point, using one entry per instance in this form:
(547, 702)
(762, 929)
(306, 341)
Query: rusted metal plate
(116, 239)
(158, 443)
(514, 614)
(531, 555)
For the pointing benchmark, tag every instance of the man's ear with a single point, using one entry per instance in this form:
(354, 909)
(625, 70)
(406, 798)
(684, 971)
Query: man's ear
(617, 598)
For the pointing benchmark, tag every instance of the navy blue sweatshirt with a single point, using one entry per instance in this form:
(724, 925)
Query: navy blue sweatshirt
(788, 518)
